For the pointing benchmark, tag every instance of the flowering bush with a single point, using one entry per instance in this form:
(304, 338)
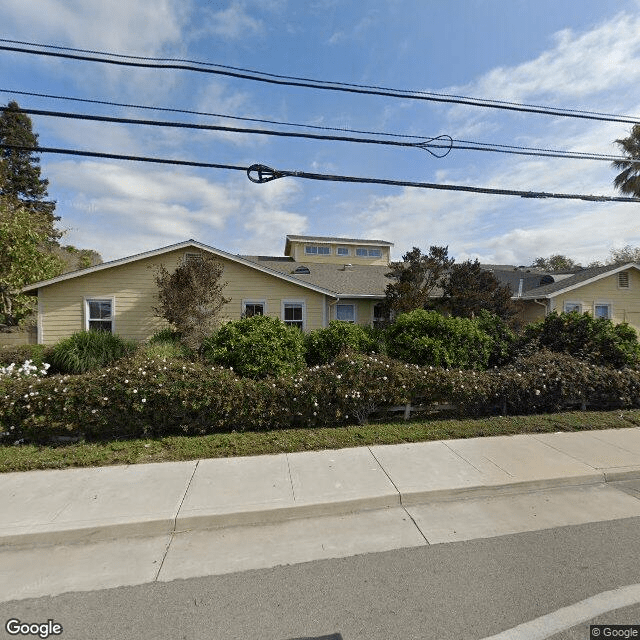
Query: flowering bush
(25, 370)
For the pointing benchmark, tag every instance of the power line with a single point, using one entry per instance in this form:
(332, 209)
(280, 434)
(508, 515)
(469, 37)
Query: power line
(261, 173)
(271, 78)
(444, 142)
(214, 127)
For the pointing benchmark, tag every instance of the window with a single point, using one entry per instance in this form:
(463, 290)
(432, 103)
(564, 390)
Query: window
(623, 280)
(364, 252)
(572, 306)
(252, 308)
(602, 311)
(317, 250)
(342, 251)
(293, 314)
(346, 313)
(99, 315)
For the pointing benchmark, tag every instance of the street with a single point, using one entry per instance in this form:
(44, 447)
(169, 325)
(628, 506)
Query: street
(471, 589)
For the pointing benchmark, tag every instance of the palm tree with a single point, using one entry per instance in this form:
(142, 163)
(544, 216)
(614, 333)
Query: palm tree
(628, 180)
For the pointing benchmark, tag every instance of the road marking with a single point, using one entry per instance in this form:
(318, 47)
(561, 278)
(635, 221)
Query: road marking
(572, 615)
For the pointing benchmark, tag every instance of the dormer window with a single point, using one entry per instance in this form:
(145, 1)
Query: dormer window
(342, 251)
(317, 250)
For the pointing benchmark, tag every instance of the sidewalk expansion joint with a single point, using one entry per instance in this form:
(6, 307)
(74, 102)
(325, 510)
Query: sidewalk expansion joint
(399, 496)
(293, 490)
(175, 521)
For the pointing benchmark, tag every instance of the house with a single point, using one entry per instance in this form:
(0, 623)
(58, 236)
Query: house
(318, 279)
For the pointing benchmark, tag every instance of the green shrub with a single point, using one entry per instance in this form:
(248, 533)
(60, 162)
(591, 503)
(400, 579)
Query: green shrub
(168, 344)
(503, 339)
(256, 347)
(596, 340)
(165, 335)
(325, 345)
(37, 353)
(88, 350)
(429, 338)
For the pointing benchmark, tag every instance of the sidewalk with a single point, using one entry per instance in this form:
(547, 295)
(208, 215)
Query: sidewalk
(105, 503)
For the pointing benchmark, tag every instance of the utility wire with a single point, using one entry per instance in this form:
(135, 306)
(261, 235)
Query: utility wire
(259, 173)
(271, 78)
(267, 132)
(442, 143)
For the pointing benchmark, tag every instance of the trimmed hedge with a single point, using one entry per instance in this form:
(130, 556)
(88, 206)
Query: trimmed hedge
(429, 338)
(256, 347)
(325, 345)
(142, 397)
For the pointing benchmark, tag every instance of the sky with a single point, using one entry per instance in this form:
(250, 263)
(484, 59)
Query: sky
(559, 53)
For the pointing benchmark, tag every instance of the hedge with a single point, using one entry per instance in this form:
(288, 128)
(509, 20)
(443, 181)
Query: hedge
(145, 397)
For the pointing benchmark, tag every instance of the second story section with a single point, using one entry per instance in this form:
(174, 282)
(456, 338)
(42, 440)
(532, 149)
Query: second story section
(338, 250)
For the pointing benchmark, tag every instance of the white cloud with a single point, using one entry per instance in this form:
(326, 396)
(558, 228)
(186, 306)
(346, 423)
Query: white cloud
(155, 206)
(233, 23)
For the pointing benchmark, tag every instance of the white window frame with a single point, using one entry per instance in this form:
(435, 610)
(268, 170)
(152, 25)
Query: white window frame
(317, 250)
(626, 273)
(570, 303)
(254, 301)
(343, 251)
(296, 302)
(88, 299)
(346, 304)
(609, 306)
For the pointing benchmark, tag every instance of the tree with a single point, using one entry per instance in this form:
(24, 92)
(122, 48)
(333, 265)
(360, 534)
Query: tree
(191, 298)
(22, 260)
(417, 277)
(470, 289)
(20, 171)
(624, 255)
(628, 180)
(555, 262)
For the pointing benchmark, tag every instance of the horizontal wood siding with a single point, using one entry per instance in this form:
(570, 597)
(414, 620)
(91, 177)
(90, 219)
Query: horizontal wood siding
(133, 287)
(625, 303)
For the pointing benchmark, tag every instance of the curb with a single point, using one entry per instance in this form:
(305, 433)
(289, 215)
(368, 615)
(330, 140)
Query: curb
(152, 527)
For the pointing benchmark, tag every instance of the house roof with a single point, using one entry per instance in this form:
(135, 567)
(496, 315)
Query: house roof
(578, 279)
(356, 281)
(265, 268)
(336, 239)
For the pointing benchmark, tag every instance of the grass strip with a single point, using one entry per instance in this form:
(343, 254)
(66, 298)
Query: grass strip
(251, 443)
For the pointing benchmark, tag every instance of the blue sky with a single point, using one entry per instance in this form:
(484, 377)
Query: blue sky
(562, 53)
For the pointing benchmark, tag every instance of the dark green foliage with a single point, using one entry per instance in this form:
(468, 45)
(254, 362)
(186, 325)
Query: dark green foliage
(165, 335)
(469, 289)
(153, 397)
(596, 340)
(88, 350)
(503, 338)
(628, 180)
(19, 169)
(256, 347)
(416, 279)
(429, 338)
(324, 345)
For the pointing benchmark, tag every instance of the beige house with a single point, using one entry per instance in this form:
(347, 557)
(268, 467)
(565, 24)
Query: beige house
(318, 279)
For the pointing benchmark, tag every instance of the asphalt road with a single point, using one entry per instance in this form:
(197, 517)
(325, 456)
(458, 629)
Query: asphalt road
(459, 590)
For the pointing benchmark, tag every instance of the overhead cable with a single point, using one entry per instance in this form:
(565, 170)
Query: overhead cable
(272, 78)
(259, 173)
(438, 146)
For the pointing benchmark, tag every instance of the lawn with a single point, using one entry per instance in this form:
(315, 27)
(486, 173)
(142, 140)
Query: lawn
(248, 443)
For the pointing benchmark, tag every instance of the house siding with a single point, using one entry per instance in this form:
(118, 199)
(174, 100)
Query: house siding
(133, 288)
(298, 254)
(625, 303)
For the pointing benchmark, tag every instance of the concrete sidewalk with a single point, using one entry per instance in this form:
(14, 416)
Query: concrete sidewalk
(106, 503)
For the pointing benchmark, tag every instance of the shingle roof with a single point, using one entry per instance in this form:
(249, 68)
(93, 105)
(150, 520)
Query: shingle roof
(357, 280)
